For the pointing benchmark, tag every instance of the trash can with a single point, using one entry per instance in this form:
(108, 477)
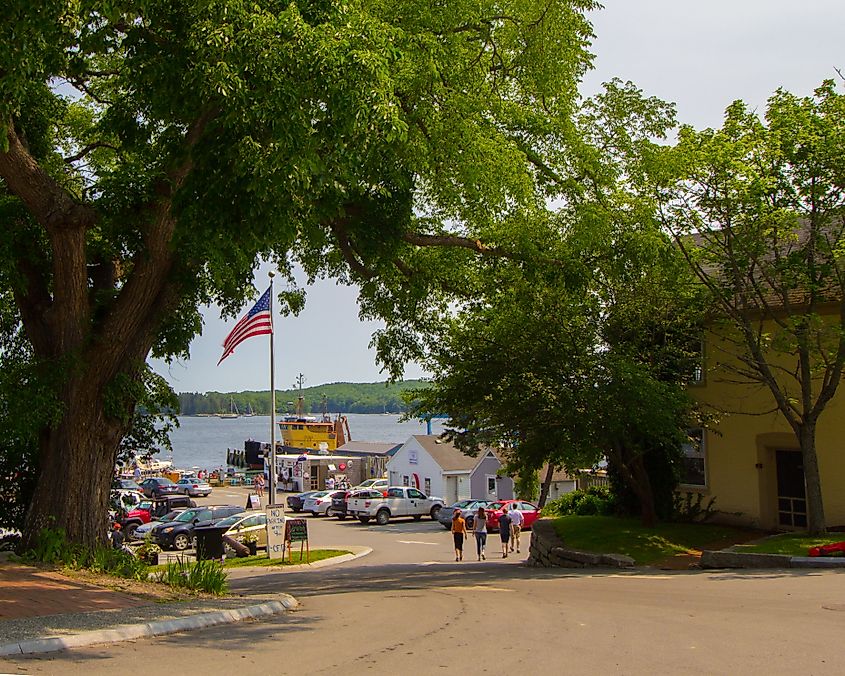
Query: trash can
(210, 542)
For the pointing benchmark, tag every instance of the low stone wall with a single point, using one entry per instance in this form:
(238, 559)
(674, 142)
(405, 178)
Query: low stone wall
(731, 559)
(549, 551)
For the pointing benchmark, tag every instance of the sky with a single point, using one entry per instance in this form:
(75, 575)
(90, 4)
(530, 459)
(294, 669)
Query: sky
(700, 55)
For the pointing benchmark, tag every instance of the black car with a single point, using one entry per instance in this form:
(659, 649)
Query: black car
(158, 486)
(179, 533)
(339, 502)
(295, 502)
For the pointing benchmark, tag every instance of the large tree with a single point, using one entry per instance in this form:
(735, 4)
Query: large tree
(151, 151)
(585, 353)
(759, 211)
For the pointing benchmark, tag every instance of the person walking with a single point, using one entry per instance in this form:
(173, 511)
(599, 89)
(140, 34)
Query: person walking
(459, 533)
(479, 530)
(505, 531)
(517, 519)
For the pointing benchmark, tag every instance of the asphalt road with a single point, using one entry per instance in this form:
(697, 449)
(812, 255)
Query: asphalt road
(409, 608)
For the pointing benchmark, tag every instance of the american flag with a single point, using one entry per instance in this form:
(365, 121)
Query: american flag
(257, 322)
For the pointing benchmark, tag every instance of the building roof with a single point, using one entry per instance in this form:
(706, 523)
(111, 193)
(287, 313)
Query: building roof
(446, 455)
(370, 447)
(557, 475)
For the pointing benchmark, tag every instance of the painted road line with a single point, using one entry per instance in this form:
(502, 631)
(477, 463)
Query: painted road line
(418, 542)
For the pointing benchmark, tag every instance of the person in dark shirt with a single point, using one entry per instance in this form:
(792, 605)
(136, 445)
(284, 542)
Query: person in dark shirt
(505, 531)
(117, 537)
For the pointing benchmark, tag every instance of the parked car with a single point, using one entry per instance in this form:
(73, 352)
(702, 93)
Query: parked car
(320, 504)
(157, 486)
(179, 533)
(467, 507)
(129, 485)
(243, 523)
(295, 502)
(141, 532)
(340, 501)
(400, 501)
(530, 513)
(374, 484)
(151, 510)
(196, 488)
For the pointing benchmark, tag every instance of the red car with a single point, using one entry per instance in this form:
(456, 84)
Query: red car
(530, 513)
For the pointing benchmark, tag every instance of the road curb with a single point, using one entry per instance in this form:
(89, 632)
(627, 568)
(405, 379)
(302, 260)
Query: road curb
(149, 629)
(235, 573)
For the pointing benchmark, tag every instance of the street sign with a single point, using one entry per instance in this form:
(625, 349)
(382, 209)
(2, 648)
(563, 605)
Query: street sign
(253, 502)
(276, 532)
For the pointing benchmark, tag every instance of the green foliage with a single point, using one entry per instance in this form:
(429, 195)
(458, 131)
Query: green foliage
(148, 552)
(594, 500)
(338, 398)
(52, 547)
(691, 507)
(205, 576)
(527, 486)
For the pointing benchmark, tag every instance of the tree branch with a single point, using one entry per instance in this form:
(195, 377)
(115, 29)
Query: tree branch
(50, 204)
(87, 149)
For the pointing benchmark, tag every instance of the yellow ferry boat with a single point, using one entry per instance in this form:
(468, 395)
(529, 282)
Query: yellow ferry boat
(311, 433)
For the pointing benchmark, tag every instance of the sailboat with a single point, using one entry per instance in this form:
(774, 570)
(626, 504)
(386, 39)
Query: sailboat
(233, 410)
(249, 412)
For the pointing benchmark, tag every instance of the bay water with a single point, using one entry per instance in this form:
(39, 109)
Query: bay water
(202, 441)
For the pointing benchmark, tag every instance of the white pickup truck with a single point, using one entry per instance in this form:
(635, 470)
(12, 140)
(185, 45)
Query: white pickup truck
(400, 501)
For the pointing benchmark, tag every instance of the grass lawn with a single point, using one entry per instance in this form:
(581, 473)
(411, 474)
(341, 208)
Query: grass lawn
(263, 560)
(791, 544)
(607, 534)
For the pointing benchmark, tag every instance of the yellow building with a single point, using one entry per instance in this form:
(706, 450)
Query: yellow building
(750, 459)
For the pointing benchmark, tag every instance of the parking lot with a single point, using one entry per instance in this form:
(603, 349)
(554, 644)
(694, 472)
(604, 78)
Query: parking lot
(401, 541)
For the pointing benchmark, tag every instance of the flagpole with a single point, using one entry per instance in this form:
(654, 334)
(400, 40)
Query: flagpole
(273, 470)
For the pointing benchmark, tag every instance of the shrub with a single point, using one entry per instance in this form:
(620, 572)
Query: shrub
(207, 576)
(118, 562)
(594, 500)
(52, 547)
(688, 507)
(148, 552)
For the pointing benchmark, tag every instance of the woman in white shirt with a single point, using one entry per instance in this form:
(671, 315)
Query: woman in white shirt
(479, 529)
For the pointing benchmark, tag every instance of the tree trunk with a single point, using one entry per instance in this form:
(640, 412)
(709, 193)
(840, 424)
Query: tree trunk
(546, 486)
(816, 522)
(631, 466)
(77, 461)
(641, 485)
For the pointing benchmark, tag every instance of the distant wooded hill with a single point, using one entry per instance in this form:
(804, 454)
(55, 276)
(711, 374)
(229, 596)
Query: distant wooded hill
(340, 398)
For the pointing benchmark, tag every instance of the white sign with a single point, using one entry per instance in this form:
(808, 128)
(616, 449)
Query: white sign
(275, 532)
(412, 456)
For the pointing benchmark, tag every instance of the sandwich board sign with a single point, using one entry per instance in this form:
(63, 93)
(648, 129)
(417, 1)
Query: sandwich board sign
(275, 532)
(296, 530)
